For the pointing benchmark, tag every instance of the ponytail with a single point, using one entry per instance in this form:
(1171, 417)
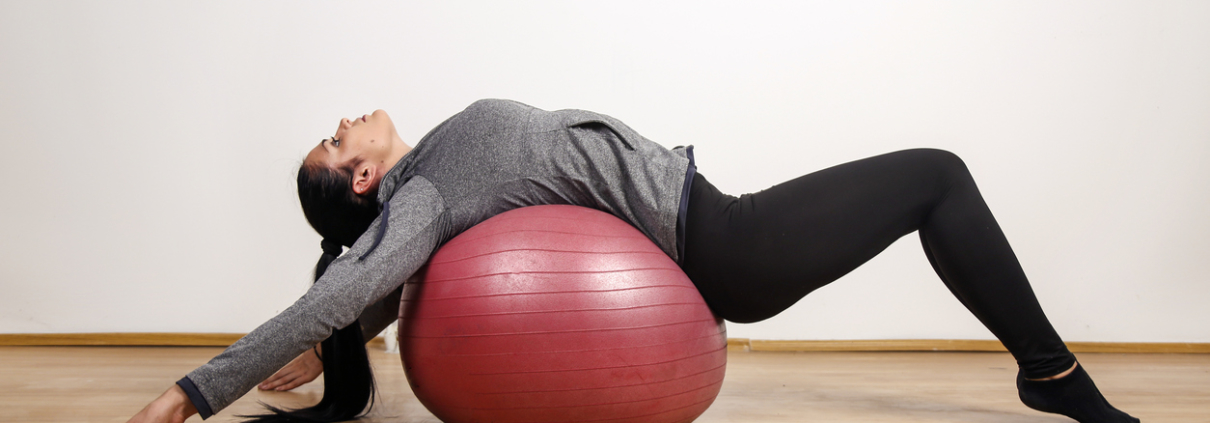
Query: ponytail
(340, 216)
(348, 380)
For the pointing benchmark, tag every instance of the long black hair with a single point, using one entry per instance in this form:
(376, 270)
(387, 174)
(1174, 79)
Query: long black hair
(340, 216)
(331, 206)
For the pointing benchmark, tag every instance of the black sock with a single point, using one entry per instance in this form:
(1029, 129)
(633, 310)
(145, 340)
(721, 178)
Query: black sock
(1073, 396)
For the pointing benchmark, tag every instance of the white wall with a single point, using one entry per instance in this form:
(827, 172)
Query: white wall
(149, 147)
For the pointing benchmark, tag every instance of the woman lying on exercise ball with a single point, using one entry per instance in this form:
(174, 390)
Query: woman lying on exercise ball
(751, 257)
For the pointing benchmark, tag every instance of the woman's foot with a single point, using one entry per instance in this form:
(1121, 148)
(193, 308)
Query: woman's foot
(1072, 395)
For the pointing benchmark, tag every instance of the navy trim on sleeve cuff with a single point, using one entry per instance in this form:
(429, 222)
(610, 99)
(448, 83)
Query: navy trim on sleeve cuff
(195, 396)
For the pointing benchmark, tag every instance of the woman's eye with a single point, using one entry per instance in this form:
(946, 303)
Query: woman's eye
(335, 142)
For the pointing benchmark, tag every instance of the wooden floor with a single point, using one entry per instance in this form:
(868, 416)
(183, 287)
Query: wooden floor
(98, 384)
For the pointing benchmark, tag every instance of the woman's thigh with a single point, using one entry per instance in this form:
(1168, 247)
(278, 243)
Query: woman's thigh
(755, 255)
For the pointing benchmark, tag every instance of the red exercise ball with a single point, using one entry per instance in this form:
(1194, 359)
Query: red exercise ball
(559, 314)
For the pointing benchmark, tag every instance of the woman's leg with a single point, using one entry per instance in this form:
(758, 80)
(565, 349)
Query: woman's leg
(756, 255)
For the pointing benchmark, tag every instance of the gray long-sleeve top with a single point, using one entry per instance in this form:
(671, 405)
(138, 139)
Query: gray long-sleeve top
(495, 156)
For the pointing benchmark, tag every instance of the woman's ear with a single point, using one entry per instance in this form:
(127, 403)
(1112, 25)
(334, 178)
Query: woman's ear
(365, 179)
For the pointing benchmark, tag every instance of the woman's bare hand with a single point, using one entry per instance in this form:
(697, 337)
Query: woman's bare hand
(171, 407)
(303, 369)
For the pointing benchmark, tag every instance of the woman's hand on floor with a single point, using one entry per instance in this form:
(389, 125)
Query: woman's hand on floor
(303, 369)
(172, 407)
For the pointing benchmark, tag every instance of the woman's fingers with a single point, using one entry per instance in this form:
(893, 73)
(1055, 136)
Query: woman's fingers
(278, 378)
(303, 369)
(285, 379)
(291, 384)
(271, 382)
(171, 407)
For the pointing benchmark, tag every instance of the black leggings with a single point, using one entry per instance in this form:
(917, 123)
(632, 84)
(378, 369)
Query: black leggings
(754, 256)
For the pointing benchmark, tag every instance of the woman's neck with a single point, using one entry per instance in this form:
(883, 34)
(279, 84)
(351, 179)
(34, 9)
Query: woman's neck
(399, 150)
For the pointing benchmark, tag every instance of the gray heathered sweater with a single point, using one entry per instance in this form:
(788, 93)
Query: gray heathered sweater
(494, 156)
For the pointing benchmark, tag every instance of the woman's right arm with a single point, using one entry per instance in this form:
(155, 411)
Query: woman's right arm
(416, 227)
(309, 365)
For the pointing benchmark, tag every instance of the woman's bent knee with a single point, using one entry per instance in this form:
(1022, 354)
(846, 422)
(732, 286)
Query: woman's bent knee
(947, 165)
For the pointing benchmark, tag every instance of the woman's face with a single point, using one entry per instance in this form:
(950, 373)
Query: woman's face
(366, 138)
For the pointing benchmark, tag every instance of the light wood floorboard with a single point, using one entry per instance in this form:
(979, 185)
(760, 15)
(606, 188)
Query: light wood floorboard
(108, 384)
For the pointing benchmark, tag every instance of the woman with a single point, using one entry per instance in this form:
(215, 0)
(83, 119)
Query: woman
(751, 257)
